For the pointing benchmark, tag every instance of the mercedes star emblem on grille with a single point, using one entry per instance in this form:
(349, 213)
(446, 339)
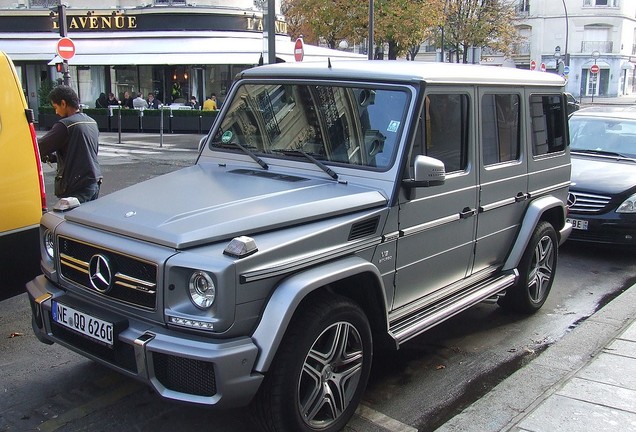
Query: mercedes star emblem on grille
(571, 199)
(100, 273)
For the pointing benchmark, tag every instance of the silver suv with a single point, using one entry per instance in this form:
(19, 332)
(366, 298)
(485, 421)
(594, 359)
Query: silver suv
(334, 207)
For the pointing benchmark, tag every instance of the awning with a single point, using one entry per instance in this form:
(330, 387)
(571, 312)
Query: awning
(161, 48)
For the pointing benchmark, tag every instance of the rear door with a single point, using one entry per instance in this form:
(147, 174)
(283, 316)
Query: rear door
(502, 174)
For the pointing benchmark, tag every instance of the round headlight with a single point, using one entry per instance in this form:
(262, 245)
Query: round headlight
(202, 290)
(47, 238)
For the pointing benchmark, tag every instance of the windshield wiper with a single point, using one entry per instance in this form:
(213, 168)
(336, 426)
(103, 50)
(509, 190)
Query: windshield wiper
(604, 153)
(322, 166)
(246, 150)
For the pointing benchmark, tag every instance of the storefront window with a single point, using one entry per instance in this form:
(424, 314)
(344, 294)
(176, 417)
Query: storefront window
(125, 80)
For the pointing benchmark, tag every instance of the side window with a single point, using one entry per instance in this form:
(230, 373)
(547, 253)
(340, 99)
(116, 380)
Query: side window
(548, 124)
(500, 128)
(446, 130)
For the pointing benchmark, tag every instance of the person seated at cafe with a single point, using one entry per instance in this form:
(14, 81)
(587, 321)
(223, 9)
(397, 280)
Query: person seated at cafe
(193, 103)
(210, 103)
(139, 102)
(112, 100)
(153, 102)
(127, 101)
(102, 101)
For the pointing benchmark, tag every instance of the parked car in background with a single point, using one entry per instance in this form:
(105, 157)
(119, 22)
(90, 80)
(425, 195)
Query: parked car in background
(22, 196)
(602, 199)
(573, 103)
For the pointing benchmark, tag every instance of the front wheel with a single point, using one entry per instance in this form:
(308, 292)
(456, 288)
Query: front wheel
(320, 371)
(536, 272)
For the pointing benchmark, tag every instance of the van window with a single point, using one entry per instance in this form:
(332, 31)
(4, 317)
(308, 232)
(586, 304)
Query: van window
(446, 130)
(548, 124)
(500, 128)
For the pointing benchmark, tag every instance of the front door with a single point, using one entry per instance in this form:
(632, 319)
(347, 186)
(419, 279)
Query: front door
(437, 223)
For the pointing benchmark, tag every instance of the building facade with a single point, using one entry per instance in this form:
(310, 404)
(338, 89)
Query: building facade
(173, 48)
(571, 36)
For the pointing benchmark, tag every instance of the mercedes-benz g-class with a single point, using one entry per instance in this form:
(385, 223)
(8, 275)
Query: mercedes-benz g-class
(334, 208)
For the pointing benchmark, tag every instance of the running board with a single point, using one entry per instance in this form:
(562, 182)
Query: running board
(414, 324)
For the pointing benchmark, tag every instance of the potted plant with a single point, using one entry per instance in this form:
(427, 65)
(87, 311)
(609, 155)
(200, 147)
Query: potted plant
(207, 118)
(186, 121)
(46, 117)
(150, 120)
(129, 120)
(100, 115)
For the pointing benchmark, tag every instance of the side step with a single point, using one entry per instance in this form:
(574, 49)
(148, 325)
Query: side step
(418, 322)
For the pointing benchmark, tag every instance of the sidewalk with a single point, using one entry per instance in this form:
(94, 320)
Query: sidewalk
(586, 382)
(154, 140)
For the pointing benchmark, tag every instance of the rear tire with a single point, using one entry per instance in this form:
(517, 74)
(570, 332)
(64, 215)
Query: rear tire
(537, 270)
(320, 371)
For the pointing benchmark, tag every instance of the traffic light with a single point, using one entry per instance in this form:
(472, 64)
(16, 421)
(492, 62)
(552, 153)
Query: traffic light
(61, 67)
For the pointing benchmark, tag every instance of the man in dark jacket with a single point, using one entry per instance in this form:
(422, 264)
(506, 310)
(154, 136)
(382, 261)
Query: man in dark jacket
(72, 142)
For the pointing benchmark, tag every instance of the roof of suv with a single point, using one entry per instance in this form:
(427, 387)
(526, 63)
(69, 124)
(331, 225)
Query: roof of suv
(407, 71)
(615, 111)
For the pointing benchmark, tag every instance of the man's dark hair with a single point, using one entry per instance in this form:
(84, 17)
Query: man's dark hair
(64, 93)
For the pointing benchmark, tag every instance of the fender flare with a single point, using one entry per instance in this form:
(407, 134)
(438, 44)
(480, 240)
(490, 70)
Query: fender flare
(533, 215)
(289, 294)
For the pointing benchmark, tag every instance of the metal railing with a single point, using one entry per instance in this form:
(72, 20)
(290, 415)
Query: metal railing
(600, 46)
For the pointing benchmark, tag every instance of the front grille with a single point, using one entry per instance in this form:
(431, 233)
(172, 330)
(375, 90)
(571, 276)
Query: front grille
(133, 281)
(184, 375)
(580, 202)
(121, 355)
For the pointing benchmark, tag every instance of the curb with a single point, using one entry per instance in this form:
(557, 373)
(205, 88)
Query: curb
(521, 393)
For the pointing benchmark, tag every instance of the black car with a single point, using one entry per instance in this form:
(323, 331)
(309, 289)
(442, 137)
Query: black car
(602, 199)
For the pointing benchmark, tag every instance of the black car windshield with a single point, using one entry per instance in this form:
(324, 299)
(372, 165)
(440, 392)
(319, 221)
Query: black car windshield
(335, 124)
(603, 135)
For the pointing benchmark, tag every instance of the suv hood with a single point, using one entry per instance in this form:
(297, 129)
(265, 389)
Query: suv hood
(602, 175)
(206, 203)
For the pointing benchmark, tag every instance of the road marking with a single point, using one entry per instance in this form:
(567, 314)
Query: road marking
(87, 409)
(382, 420)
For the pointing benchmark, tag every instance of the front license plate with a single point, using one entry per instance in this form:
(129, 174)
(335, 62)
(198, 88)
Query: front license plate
(577, 223)
(82, 323)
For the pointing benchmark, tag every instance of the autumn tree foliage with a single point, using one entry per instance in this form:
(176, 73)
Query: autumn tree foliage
(401, 24)
(478, 23)
(329, 20)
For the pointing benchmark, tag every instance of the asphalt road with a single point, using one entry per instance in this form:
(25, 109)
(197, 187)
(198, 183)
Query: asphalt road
(417, 388)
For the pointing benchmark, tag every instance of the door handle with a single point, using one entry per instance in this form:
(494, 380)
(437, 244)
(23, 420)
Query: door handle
(467, 212)
(521, 197)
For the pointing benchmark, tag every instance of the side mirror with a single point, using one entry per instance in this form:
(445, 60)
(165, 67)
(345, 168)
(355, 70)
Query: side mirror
(428, 172)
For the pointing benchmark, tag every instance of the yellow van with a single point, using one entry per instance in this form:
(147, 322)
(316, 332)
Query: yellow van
(22, 194)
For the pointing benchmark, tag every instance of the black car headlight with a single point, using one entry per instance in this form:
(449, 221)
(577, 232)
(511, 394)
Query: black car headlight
(628, 206)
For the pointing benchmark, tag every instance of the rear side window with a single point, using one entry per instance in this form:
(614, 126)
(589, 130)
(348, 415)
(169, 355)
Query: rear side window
(500, 128)
(548, 124)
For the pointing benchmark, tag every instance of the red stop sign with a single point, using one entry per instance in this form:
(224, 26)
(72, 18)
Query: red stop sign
(65, 48)
(299, 50)
(594, 69)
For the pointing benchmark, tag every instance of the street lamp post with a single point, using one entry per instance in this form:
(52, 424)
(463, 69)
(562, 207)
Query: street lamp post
(595, 56)
(370, 49)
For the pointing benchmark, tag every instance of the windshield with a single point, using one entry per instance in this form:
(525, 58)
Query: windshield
(604, 135)
(332, 123)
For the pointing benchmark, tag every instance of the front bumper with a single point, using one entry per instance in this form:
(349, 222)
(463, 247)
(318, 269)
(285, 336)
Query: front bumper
(605, 228)
(177, 365)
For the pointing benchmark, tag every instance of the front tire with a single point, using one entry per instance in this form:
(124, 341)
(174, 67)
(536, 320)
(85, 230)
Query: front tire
(537, 270)
(321, 370)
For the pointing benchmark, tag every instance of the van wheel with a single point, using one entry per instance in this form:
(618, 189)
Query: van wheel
(536, 272)
(321, 370)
